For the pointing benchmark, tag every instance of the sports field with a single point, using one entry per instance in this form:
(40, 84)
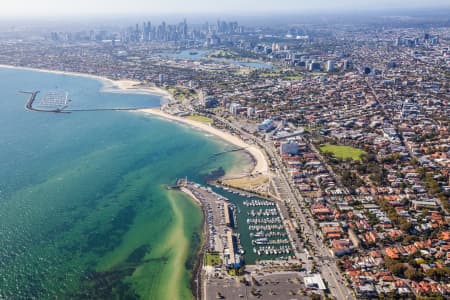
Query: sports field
(343, 152)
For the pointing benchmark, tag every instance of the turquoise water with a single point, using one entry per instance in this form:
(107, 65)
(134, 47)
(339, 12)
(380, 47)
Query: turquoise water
(84, 212)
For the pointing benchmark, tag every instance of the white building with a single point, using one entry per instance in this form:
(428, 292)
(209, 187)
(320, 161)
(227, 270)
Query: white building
(266, 126)
(314, 282)
(330, 66)
(250, 112)
(234, 107)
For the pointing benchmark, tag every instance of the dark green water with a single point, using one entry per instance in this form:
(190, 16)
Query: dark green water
(84, 212)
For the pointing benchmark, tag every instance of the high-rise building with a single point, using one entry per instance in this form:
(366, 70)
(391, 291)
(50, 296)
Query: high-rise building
(347, 65)
(234, 108)
(162, 78)
(185, 30)
(314, 66)
(330, 66)
(147, 30)
(434, 41)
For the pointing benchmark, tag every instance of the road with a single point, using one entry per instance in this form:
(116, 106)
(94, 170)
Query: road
(387, 116)
(322, 257)
(293, 199)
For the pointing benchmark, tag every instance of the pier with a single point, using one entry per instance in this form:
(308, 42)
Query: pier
(229, 151)
(219, 237)
(53, 99)
(256, 211)
(220, 214)
(32, 99)
(104, 109)
(29, 104)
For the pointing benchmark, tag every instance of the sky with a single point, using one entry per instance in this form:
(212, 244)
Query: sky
(13, 8)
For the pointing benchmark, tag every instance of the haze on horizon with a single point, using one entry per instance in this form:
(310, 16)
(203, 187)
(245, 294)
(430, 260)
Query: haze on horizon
(38, 8)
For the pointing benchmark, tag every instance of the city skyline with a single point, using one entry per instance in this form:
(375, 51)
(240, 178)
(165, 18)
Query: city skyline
(201, 150)
(250, 7)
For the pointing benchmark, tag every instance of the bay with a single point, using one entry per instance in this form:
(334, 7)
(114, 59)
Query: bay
(84, 212)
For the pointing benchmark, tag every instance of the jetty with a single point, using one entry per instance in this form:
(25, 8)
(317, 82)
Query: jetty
(229, 151)
(32, 99)
(52, 99)
(219, 237)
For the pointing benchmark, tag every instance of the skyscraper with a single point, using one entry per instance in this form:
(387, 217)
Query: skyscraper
(330, 66)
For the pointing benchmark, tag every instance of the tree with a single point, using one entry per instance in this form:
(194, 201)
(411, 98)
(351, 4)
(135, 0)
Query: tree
(405, 225)
(438, 274)
(315, 297)
(413, 274)
(410, 238)
(397, 269)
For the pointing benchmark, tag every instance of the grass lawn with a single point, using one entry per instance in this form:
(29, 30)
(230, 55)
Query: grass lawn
(311, 128)
(272, 73)
(343, 152)
(293, 78)
(248, 183)
(181, 94)
(200, 119)
(212, 259)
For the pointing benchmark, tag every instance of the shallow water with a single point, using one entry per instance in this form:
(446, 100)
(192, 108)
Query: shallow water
(84, 212)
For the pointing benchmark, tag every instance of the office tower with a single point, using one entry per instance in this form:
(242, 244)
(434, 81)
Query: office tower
(347, 65)
(330, 66)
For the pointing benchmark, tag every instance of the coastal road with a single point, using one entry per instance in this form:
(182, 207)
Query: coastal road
(324, 261)
(292, 198)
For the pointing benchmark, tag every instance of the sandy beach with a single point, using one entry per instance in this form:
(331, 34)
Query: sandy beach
(132, 86)
(261, 165)
(109, 85)
(177, 244)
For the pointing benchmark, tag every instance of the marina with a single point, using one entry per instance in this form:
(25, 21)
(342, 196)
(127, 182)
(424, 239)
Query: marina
(55, 99)
(58, 102)
(52, 102)
(74, 202)
(237, 223)
(220, 223)
(262, 233)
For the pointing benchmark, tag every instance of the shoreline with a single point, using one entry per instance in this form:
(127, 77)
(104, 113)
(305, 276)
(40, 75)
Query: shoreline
(261, 165)
(109, 85)
(196, 281)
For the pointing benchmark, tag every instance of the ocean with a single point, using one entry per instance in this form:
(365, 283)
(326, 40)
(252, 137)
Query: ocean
(84, 209)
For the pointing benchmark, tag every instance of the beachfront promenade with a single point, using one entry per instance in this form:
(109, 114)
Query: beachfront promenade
(292, 200)
(288, 200)
(215, 280)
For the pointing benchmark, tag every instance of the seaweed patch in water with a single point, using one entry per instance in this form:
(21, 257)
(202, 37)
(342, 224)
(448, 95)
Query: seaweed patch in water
(138, 254)
(193, 256)
(213, 175)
